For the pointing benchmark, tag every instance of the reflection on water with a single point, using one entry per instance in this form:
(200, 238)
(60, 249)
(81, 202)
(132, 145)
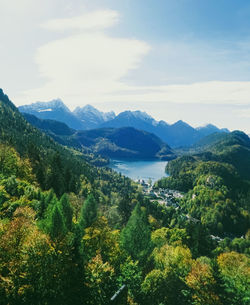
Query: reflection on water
(153, 170)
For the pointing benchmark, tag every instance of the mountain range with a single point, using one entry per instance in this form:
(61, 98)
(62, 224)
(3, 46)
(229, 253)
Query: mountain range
(91, 117)
(176, 135)
(121, 143)
(83, 118)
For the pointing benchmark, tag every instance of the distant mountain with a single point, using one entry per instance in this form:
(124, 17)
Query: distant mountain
(137, 119)
(176, 135)
(182, 134)
(55, 127)
(210, 140)
(83, 118)
(179, 134)
(209, 129)
(53, 110)
(124, 142)
(91, 117)
(215, 141)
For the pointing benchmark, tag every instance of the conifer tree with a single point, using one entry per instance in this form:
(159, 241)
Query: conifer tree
(135, 237)
(66, 211)
(56, 224)
(42, 205)
(124, 208)
(55, 178)
(88, 212)
(50, 197)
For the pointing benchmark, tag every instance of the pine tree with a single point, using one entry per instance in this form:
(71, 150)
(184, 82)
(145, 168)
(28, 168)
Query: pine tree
(55, 178)
(135, 237)
(66, 211)
(50, 197)
(42, 205)
(56, 224)
(124, 208)
(88, 212)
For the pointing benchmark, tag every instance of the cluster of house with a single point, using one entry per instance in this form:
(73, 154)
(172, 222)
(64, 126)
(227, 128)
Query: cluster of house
(163, 196)
(168, 198)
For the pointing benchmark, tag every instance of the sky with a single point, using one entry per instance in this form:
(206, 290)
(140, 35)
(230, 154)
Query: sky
(175, 59)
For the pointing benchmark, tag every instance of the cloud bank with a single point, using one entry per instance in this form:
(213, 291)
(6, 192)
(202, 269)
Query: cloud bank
(88, 21)
(85, 63)
(88, 64)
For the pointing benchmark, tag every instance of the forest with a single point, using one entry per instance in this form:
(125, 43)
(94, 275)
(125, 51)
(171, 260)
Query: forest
(73, 233)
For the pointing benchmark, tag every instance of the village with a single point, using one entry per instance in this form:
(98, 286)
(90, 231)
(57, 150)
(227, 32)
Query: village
(165, 197)
(168, 198)
(162, 196)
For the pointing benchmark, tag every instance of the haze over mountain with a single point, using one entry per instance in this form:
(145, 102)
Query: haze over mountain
(121, 143)
(53, 110)
(88, 117)
(51, 126)
(83, 118)
(125, 142)
(209, 129)
(92, 117)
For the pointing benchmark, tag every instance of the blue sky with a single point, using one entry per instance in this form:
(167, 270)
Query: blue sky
(208, 20)
(175, 59)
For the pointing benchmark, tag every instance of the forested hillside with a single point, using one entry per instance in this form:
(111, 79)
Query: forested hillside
(179, 134)
(217, 182)
(71, 233)
(119, 143)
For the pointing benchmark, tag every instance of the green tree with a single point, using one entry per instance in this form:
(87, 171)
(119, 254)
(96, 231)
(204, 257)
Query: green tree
(202, 283)
(88, 212)
(166, 283)
(131, 276)
(100, 280)
(42, 205)
(235, 273)
(124, 208)
(55, 177)
(56, 227)
(66, 211)
(135, 237)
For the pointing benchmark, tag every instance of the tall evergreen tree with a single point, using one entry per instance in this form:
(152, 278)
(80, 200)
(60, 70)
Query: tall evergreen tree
(135, 237)
(124, 208)
(50, 197)
(42, 205)
(56, 224)
(88, 212)
(56, 176)
(67, 211)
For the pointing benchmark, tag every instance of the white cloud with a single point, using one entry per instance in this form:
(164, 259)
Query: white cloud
(91, 66)
(87, 65)
(89, 57)
(212, 92)
(88, 21)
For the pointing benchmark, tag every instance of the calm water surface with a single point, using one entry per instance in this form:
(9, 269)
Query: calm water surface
(153, 170)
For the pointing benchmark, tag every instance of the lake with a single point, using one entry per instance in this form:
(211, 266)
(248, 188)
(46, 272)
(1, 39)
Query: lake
(153, 170)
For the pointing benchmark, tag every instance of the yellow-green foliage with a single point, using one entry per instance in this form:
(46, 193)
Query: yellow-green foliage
(12, 164)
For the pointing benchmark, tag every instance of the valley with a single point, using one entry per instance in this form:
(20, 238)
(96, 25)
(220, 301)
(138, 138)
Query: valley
(122, 143)
(125, 152)
(179, 134)
(71, 227)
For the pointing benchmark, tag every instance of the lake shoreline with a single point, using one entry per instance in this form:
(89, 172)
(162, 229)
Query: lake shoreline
(140, 169)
